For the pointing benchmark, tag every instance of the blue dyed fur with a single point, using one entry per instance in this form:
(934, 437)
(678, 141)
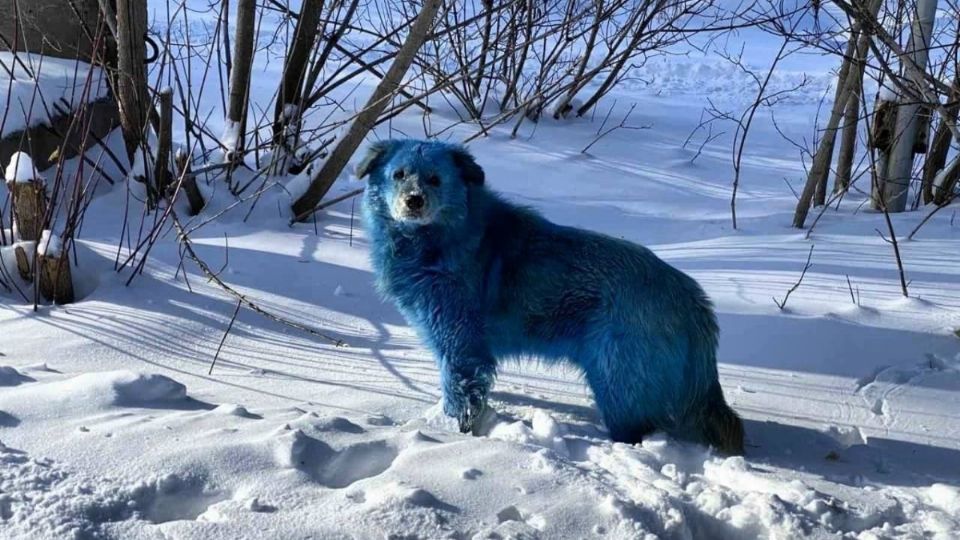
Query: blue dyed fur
(484, 280)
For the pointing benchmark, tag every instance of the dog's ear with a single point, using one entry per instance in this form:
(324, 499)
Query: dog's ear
(374, 158)
(471, 172)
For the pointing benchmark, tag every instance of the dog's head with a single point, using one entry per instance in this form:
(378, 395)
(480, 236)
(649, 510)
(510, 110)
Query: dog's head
(420, 182)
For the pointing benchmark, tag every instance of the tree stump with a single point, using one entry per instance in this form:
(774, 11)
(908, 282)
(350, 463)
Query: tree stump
(29, 208)
(183, 170)
(56, 284)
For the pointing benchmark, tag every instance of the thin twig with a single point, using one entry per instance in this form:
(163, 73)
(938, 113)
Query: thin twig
(224, 338)
(796, 285)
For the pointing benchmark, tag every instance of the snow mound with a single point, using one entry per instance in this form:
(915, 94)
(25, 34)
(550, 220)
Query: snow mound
(131, 389)
(95, 391)
(9, 376)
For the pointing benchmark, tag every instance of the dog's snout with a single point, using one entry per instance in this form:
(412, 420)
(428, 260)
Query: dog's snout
(415, 202)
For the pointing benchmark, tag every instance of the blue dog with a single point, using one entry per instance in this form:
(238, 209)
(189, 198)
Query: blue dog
(482, 280)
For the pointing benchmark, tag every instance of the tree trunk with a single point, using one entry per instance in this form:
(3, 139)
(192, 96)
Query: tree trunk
(240, 79)
(519, 60)
(945, 182)
(288, 113)
(844, 94)
(819, 170)
(161, 171)
(895, 185)
(848, 138)
(639, 33)
(940, 147)
(484, 48)
(321, 181)
(564, 106)
(133, 99)
(851, 115)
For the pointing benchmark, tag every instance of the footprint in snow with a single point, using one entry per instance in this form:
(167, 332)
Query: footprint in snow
(330, 467)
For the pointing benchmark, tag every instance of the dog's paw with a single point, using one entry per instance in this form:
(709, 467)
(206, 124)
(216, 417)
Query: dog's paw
(466, 405)
(472, 412)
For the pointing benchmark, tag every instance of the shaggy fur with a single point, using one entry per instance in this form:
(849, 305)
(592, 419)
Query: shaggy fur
(482, 280)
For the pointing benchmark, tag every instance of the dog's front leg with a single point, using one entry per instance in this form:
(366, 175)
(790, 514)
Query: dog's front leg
(467, 369)
(466, 383)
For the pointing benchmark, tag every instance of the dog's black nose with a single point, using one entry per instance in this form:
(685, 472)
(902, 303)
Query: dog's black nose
(415, 202)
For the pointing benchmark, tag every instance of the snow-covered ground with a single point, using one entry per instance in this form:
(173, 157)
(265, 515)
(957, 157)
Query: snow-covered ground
(110, 425)
(33, 87)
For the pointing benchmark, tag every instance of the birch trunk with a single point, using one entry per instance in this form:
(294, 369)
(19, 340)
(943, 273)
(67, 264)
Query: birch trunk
(895, 184)
(937, 156)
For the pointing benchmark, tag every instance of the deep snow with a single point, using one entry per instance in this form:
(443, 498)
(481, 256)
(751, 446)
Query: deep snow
(111, 427)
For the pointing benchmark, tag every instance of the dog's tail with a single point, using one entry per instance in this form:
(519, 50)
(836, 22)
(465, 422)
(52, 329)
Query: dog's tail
(719, 424)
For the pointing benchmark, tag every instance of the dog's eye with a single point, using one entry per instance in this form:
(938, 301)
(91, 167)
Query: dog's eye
(433, 180)
(398, 175)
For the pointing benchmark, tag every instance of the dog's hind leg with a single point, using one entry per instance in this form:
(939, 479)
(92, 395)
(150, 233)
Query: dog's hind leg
(624, 399)
(625, 422)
